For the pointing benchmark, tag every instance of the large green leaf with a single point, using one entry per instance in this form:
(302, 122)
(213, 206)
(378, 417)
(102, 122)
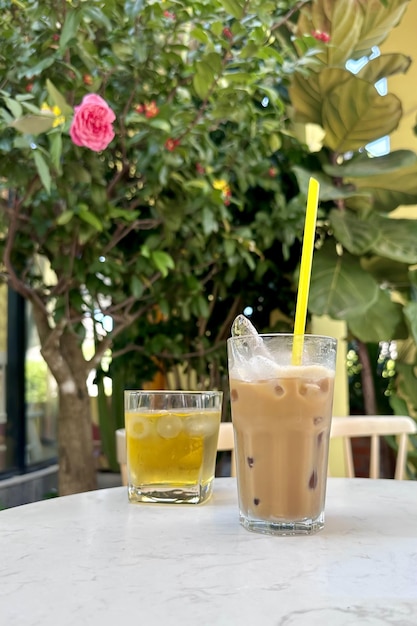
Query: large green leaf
(58, 99)
(328, 190)
(383, 321)
(397, 238)
(377, 23)
(34, 124)
(410, 312)
(362, 165)
(306, 99)
(387, 272)
(340, 287)
(384, 66)
(390, 189)
(353, 114)
(353, 233)
(341, 20)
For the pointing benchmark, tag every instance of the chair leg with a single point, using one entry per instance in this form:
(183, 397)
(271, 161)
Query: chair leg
(374, 461)
(401, 457)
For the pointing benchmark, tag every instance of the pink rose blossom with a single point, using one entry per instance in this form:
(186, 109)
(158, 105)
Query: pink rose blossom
(91, 126)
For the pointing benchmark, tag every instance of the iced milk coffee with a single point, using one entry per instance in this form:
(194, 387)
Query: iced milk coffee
(281, 416)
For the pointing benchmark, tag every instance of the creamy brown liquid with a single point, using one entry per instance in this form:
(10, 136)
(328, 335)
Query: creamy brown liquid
(282, 435)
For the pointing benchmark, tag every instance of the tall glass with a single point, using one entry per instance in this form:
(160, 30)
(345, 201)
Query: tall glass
(281, 416)
(171, 441)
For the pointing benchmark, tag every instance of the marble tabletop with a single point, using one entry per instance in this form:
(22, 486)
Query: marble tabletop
(95, 559)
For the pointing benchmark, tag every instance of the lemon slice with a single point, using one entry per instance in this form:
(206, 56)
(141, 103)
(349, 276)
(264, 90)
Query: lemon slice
(138, 426)
(169, 426)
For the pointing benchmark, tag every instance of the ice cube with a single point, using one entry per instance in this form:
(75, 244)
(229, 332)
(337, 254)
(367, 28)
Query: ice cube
(262, 368)
(242, 326)
(309, 388)
(246, 342)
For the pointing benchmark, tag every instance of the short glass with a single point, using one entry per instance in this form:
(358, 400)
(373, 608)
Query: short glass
(281, 416)
(171, 439)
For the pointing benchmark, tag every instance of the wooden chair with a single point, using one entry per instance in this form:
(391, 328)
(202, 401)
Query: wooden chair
(375, 426)
(225, 442)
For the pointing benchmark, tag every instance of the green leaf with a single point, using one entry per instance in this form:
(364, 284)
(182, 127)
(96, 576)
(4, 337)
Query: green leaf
(383, 321)
(378, 21)
(136, 287)
(58, 99)
(340, 287)
(14, 107)
(354, 114)
(43, 170)
(390, 189)
(354, 234)
(55, 143)
(34, 124)
(210, 224)
(384, 66)
(397, 238)
(65, 217)
(162, 261)
(410, 312)
(362, 165)
(89, 217)
(393, 274)
(201, 83)
(234, 7)
(328, 190)
(69, 29)
(343, 20)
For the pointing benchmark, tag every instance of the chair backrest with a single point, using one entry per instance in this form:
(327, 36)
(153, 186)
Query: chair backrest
(375, 426)
(225, 442)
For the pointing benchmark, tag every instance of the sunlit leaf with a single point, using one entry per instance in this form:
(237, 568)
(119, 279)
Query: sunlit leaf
(353, 114)
(90, 218)
(34, 124)
(58, 99)
(163, 261)
(65, 217)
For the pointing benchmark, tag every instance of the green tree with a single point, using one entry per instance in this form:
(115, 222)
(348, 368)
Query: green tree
(364, 269)
(158, 220)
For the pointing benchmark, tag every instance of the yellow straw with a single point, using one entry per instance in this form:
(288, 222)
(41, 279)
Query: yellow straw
(305, 271)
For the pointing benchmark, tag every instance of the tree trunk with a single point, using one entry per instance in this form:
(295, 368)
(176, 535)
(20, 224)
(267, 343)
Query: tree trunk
(77, 470)
(368, 387)
(61, 348)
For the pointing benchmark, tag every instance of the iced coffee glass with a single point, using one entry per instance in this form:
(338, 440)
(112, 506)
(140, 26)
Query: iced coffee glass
(281, 416)
(171, 439)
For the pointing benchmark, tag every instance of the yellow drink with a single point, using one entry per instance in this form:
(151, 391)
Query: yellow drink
(171, 453)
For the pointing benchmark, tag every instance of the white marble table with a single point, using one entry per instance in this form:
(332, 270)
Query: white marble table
(95, 559)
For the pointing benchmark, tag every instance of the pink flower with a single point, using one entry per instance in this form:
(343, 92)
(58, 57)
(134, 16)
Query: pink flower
(91, 126)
